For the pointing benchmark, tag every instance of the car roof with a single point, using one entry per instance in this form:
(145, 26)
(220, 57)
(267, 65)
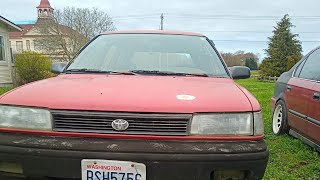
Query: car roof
(154, 32)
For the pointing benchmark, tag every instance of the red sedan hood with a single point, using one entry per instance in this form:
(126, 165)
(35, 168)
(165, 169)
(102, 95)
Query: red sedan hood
(133, 94)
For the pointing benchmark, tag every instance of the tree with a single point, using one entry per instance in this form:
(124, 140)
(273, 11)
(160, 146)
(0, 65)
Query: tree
(69, 29)
(251, 63)
(284, 49)
(238, 58)
(292, 61)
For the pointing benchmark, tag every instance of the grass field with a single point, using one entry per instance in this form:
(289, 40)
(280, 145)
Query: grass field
(289, 157)
(3, 90)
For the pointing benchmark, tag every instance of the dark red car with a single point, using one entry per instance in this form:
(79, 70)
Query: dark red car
(296, 101)
(136, 105)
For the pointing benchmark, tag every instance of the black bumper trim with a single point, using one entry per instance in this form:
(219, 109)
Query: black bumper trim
(127, 146)
(136, 156)
(168, 164)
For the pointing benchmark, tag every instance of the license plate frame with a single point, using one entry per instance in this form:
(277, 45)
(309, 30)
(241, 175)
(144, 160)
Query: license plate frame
(112, 170)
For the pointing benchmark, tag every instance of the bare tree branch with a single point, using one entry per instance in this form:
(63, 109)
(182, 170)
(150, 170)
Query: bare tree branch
(69, 29)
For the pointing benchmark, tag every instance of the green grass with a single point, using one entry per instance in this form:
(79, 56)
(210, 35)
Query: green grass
(289, 158)
(3, 90)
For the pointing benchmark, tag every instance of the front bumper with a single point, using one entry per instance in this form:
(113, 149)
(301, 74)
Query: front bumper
(60, 157)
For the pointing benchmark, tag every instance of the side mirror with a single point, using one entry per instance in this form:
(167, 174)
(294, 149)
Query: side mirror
(58, 67)
(240, 72)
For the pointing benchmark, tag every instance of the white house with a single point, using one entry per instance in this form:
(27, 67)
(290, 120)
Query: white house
(6, 26)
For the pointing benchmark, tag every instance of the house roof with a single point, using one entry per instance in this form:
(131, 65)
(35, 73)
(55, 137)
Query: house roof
(25, 29)
(44, 4)
(154, 32)
(13, 26)
(40, 23)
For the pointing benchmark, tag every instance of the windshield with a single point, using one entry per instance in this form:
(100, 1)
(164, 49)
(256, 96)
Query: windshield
(150, 52)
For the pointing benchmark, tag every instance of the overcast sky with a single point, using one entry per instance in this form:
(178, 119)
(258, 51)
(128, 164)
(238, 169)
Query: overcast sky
(232, 24)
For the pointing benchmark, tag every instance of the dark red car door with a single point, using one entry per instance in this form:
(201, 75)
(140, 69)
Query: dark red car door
(298, 97)
(313, 128)
(300, 94)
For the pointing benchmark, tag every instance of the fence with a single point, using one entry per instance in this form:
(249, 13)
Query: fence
(265, 78)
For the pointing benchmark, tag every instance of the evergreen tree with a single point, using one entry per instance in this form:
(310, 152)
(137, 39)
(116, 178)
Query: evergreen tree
(284, 49)
(251, 63)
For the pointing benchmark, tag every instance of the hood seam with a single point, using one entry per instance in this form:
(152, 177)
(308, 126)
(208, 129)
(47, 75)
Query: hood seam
(245, 95)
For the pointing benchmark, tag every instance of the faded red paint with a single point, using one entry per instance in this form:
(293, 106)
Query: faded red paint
(314, 112)
(254, 102)
(125, 93)
(298, 99)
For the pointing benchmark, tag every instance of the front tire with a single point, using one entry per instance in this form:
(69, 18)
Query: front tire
(280, 119)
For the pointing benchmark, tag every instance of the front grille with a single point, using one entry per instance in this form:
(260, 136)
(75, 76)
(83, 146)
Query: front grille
(139, 123)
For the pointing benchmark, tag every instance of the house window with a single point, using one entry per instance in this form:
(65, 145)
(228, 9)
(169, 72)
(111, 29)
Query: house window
(2, 49)
(28, 45)
(19, 46)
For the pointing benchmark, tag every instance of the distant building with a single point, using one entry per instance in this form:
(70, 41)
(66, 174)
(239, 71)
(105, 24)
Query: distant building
(6, 27)
(27, 39)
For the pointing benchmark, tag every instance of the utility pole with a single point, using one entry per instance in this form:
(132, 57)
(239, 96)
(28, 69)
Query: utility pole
(161, 25)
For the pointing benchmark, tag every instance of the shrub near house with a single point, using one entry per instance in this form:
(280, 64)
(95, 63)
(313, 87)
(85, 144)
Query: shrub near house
(32, 66)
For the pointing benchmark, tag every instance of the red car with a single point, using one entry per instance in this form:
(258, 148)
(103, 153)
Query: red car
(296, 101)
(136, 105)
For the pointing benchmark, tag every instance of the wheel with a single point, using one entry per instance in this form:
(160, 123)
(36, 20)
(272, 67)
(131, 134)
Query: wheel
(280, 119)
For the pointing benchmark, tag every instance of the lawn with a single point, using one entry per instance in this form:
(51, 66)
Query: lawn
(3, 90)
(289, 157)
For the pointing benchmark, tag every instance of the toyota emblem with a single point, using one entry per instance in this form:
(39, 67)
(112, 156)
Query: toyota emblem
(120, 124)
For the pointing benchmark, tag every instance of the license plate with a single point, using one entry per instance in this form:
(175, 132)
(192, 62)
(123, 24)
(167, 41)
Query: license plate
(95, 169)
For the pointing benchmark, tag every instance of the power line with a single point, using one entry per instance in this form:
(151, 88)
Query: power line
(135, 15)
(239, 16)
(208, 16)
(140, 18)
(214, 15)
(239, 19)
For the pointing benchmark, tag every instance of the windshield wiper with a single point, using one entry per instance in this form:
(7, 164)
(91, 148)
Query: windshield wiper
(134, 72)
(122, 73)
(220, 76)
(84, 70)
(168, 73)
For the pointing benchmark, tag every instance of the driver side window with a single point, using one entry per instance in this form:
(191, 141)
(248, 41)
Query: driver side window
(311, 70)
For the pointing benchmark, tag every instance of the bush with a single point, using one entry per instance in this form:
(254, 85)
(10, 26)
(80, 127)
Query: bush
(32, 66)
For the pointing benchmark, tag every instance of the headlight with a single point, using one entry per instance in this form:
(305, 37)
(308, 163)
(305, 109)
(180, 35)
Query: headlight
(227, 124)
(25, 118)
